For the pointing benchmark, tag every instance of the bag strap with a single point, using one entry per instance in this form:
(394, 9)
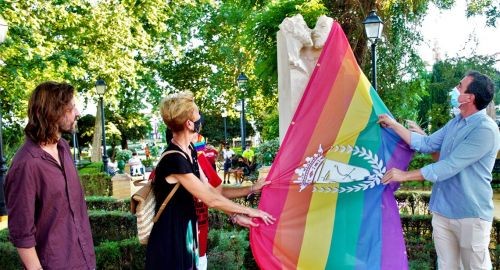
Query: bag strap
(139, 182)
(172, 192)
(165, 202)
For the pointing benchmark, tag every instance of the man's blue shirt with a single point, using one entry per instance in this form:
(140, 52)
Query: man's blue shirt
(462, 177)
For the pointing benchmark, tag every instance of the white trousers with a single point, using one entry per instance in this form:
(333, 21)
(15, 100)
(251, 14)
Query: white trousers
(202, 262)
(461, 243)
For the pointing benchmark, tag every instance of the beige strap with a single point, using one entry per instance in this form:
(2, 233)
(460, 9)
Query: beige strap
(165, 202)
(172, 192)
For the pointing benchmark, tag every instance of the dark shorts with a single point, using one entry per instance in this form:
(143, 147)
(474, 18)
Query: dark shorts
(227, 165)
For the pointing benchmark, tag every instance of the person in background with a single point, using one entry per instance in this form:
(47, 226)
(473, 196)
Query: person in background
(136, 167)
(147, 151)
(48, 220)
(211, 154)
(227, 191)
(248, 154)
(173, 242)
(227, 154)
(461, 201)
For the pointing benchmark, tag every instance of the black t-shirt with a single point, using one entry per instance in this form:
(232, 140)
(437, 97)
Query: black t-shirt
(173, 163)
(173, 242)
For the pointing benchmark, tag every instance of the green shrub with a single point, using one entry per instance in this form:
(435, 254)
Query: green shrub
(9, 259)
(419, 161)
(148, 162)
(107, 203)
(90, 168)
(96, 184)
(227, 246)
(4, 235)
(124, 155)
(112, 226)
(266, 152)
(413, 202)
(124, 254)
(154, 151)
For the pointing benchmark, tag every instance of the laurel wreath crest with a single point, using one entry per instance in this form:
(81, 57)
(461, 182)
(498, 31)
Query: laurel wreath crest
(377, 165)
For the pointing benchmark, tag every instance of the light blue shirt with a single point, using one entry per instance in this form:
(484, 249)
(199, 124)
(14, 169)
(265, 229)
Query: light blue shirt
(462, 177)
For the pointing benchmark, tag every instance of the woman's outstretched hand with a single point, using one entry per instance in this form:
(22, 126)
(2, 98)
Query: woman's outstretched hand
(256, 213)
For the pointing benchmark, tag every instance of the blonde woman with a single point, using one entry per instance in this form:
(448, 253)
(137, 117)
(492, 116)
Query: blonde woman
(173, 242)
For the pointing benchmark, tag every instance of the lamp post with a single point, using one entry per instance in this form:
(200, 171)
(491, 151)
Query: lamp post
(242, 81)
(100, 87)
(224, 116)
(3, 167)
(373, 27)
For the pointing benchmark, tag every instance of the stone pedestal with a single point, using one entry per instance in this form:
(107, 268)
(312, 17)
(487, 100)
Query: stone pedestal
(121, 184)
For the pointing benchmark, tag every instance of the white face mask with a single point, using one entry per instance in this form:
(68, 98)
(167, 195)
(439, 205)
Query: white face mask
(455, 111)
(454, 94)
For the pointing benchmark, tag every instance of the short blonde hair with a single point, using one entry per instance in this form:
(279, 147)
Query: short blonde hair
(176, 109)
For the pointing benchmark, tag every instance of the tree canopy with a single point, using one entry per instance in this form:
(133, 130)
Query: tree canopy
(147, 49)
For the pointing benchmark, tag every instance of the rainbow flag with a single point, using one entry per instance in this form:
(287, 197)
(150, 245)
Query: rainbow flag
(332, 210)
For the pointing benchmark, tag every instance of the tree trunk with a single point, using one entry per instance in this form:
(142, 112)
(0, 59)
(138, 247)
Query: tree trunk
(124, 142)
(97, 140)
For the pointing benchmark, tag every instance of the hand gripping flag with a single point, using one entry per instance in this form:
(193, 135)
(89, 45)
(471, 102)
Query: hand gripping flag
(332, 210)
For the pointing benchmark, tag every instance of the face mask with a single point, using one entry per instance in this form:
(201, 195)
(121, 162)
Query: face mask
(197, 126)
(454, 94)
(455, 111)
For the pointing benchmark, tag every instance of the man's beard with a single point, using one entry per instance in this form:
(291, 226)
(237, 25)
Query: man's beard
(71, 129)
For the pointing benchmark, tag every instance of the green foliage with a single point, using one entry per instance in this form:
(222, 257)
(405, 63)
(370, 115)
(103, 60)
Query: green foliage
(117, 247)
(227, 246)
(112, 225)
(124, 155)
(107, 203)
(13, 138)
(124, 254)
(419, 161)
(96, 184)
(9, 259)
(4, 235)
(266, 151)
(270, 126)
(213, 128)
(90, 168)
(85, 133)
(434, 109)
(148, 162)
(154, 151)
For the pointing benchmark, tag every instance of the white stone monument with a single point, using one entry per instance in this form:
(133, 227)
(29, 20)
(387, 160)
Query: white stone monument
(299, 48)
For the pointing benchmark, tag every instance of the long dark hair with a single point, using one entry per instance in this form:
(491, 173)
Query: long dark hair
(46, 106)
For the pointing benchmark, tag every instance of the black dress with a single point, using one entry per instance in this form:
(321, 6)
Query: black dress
(173, 243)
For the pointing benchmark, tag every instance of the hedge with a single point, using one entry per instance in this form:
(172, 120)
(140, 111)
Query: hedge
(107, 203)
(112, 225)
(96, 184)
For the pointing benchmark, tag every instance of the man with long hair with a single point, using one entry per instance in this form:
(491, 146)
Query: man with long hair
(48, 220)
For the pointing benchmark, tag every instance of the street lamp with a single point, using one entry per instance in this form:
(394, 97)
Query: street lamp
(242, 81)
(3, 167)
(100, 87)
(224, 116)
(373, 27)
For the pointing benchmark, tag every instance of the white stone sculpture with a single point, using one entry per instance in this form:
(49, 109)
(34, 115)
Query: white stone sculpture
(299, 48)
